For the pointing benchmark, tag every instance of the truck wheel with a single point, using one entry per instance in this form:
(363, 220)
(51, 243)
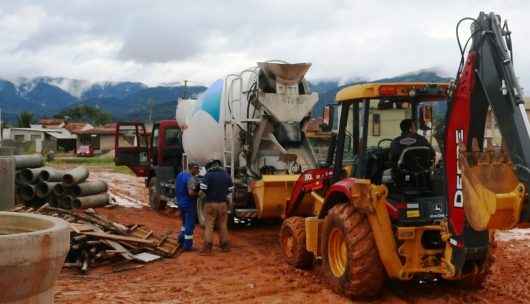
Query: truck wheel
(351, 261)
(155, 202)
(292, 241)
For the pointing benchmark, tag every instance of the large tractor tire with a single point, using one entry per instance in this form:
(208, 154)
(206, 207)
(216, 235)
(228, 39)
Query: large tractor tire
(351, 261)
(292, 241)
(155, 202)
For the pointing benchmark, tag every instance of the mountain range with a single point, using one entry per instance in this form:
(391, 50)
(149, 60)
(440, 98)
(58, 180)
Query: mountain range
(46, 96)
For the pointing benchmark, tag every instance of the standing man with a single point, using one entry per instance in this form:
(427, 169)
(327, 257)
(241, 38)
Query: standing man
(186, 190)
(216, 185)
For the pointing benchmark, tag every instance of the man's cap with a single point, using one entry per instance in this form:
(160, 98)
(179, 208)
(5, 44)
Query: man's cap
(193, 164)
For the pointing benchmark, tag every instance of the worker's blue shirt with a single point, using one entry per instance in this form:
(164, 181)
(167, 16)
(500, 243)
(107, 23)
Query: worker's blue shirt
(184, 200)
(216, 185)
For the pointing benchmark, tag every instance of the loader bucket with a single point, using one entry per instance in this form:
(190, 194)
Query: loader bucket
(493, 196)
(271, 194)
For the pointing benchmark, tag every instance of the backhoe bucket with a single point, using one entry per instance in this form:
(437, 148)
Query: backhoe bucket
(492, 194)
(271, 194)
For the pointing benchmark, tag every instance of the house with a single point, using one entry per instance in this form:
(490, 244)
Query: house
(101, 139)
(57, 140)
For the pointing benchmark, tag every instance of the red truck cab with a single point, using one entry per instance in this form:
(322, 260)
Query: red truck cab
(155, 155)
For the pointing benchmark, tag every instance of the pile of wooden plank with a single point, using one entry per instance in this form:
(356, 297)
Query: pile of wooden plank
(95, 240)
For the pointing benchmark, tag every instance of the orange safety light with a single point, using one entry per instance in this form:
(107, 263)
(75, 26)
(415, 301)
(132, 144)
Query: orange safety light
(388, 90)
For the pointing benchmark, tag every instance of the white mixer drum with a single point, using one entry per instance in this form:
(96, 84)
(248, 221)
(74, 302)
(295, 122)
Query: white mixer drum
(202, 124)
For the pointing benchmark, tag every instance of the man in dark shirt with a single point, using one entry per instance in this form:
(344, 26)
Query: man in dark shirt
(408, 138)
(216, 185)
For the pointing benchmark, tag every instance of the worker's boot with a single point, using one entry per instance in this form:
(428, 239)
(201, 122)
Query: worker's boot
(206, 249)
(225, 247)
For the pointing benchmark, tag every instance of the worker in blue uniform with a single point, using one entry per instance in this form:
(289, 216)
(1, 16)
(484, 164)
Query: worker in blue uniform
(186, 190)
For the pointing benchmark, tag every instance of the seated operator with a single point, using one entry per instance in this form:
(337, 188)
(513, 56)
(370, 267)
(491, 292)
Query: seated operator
(408, 138)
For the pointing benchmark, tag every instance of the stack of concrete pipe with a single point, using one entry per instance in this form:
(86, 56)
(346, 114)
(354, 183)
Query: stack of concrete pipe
(37, 185)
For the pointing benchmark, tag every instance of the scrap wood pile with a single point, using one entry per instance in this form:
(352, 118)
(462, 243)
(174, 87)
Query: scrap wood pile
(96, 240)
(37, 185)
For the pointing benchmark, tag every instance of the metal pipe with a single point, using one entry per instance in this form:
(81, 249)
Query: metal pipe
(89, 188)
(65, 202)
(30, 176)
(44, 189)
(27, 192)
(52, 175)
(91, 201)
(28, 161)
(75, 176)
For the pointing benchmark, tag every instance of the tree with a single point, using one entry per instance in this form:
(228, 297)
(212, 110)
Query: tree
(87, 114)
(24, 119)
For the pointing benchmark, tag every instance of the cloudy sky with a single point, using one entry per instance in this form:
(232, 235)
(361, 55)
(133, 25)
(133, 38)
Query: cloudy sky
(169, 41)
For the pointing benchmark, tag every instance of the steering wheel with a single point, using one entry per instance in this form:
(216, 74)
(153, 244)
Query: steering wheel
(379, 143)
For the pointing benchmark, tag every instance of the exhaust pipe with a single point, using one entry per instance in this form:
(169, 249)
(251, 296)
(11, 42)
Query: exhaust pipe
(75, 176)
(89, 188)
(91, 201)
(28, 161)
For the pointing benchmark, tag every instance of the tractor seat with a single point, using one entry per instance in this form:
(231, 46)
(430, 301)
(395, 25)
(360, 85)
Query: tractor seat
(413, 169)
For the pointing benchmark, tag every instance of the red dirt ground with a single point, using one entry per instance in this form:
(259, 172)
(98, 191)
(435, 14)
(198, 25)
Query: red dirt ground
(253, 272)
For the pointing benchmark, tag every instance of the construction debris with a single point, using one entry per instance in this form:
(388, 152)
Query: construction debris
(96, 240)
(36, 186)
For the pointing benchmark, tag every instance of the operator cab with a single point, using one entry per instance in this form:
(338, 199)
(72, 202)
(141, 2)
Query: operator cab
(375, 147)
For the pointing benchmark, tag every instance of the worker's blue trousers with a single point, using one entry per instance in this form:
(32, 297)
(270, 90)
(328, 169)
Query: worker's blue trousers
(189, 216)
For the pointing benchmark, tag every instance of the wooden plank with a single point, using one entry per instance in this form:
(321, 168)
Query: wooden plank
(122, 250)
(119, 237)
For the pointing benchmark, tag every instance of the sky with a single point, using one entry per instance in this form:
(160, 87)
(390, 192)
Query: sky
(170, 41)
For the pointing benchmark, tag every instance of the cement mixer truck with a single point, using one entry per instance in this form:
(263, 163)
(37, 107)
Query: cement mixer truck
(253, 123)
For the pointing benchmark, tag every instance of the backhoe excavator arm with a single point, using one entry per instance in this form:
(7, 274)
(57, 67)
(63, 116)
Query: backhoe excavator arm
(486, 81)
(497, 84)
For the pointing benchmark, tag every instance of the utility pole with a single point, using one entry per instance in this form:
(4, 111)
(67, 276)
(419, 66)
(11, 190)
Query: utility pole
(151, 104)
(185, 93)
(1, 128)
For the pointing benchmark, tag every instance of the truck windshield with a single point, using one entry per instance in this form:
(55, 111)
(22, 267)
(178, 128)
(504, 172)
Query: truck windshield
(172, 137)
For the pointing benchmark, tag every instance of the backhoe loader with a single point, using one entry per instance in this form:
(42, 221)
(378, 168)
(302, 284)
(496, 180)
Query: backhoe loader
(431, 212)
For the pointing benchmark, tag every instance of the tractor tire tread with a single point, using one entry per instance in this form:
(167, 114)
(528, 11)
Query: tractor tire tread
(365, 275)
(301, 258)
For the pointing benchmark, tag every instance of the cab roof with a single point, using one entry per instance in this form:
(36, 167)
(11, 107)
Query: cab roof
(414, 91)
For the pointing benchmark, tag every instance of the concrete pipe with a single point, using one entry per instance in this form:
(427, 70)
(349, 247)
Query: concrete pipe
(61, 189)
(65, 201)
(75, 176)
(44, 189)
(27, 192)
(36, 202)
(33, 248)
(91, 201)
(52, 175)
(29, 161)
(18, 178)
(30, 176)
(89, 188)
(53, 200)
